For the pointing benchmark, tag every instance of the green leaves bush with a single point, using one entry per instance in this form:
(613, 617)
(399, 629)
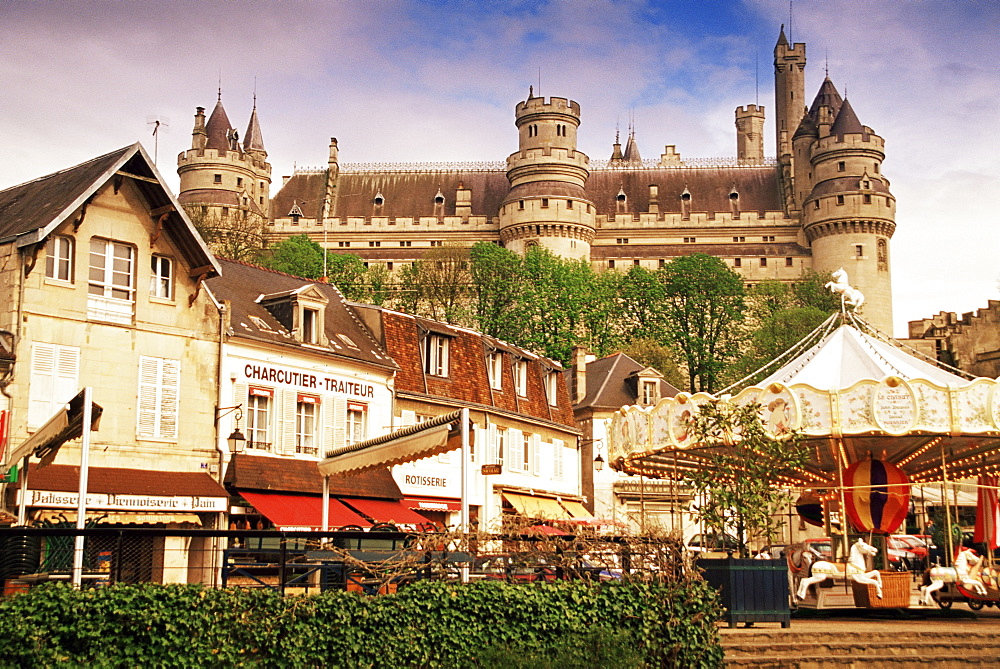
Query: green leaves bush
(429, 624)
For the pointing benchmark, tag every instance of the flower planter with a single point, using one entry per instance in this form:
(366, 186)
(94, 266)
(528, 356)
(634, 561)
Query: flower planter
(750, 590)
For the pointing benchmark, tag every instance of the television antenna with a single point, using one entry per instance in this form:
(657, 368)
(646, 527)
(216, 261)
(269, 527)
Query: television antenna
(159, 124)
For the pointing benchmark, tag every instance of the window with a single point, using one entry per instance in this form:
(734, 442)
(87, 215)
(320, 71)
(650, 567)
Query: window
(648, 396)
(690, 240)
(815, 204)
(111, 281)
(55, 372)
(357, 422)
(552, 387)
(739, 239)
(763, 262)
(545, 203)
(159, 395)
(310, 326)
(239, 181)
(859, 251)
(259, 418)
(406, 243)
(788, 262)
(521, 377)
(436, 355)
(437, 243)
(501, 445)
(59, 258)
(526, 452)
(611, 264)
(662, 263)
(494, 362)
(867, 198)
(737, 262)
(569, 204)
(767, 238)
(161, 279)
(306, 418)
(520, 204)
(388, 266)
(217, 179)
(622, 240)
(344, 245)
(840, 199)
(635, 262)
(375, 244)
(876, 168)
(841, 166)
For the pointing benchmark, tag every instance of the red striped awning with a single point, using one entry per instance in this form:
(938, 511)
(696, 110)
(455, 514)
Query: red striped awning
(387, 511)
(301, 512)
(432, 504)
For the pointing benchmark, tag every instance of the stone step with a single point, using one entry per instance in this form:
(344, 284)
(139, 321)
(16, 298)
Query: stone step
(953, 661)
(863, 648)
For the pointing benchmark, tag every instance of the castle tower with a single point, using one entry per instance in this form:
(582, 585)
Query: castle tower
(547, 204)
(221, 179)
(849, 215)
(789, 90)
(750, 135)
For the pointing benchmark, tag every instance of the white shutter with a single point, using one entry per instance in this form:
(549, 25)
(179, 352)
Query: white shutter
(170, 392)
(288, 398)
(557, 459)
(146, 412)
(407, 418)
(491, 445)
(328, 442)
(55, 372)
(516, 450)
(339, 421)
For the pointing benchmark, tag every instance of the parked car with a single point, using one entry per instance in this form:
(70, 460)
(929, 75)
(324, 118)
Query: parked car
(713, 545)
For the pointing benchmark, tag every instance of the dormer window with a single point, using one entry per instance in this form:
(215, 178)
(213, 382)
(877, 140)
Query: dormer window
(552, 387)
(301, 312)
(310, 326)
(649, 395)
(436, 354)
(521, 377)
(494, 365)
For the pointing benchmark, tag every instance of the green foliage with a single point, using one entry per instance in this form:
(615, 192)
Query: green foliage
(653, 354)
(776, 334)
(811, 291)
(704, 301)
(428, 624)
(297, 255)
(738, 487)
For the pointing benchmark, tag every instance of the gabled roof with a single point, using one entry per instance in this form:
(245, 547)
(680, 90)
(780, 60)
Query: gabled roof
(246, 286)
(847, 356)
(31, 211)
(608, 383)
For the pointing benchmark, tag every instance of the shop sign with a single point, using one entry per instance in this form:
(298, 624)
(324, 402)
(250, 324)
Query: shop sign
(50, 499)
(492, 470)
(289, 377)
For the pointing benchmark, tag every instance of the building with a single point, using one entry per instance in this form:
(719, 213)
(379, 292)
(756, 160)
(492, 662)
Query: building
(102, 285)
(821, 204)
(523, 431)
(599, 387)
(970, 343)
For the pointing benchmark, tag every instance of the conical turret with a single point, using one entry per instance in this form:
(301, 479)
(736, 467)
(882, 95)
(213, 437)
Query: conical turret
(219, 129)
(253, 141)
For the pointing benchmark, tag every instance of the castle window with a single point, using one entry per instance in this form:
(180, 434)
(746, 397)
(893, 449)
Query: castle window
(439, 199)
(866, 184)
(545, 203)
(690, 240)
(59, 258)
(217, 178)
(635, 262)
(520, 204)
(737, 262)
(379, 200)
(788, 262)
(262, 199)
(239, 181)
(686, 196)
(662, 263)
(225, 211)
(621, 197)
(840, 199)
(344, 245)
(767, 238)
(161, 280)
(859, 251)
(374, 244)
(876, 168)
(763, 262)
(867, 198)
(388, 266)
(739, 239)
(841, 166)
(611, 264)
(406, 243)
(569, 204)
(622, 240)
(815, 204)
(437, 243)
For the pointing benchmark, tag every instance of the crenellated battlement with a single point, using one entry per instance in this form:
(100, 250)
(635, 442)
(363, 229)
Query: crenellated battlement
(552, 105)
(231, 158)
(750, 110)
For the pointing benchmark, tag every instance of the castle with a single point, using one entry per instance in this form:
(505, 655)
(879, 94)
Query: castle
(822, 204)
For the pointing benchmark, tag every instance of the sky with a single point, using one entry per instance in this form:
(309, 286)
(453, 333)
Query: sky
(406, 81)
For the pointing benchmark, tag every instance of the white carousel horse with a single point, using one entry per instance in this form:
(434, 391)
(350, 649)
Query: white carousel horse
(855, 570)
(839, 285)
(965, 573)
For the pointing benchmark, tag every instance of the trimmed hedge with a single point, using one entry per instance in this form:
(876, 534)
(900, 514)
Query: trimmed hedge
(428, 624)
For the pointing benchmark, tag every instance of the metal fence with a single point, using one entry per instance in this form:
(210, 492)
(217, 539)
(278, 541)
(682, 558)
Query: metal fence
(376, 561)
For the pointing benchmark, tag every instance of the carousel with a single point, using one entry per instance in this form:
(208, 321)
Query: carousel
(876, 418)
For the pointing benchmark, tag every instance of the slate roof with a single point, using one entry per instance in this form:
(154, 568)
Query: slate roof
(847, 122)
(218, 128)
(257, 472)
(254, 140)
(826, 97)
(608, 386)
(30, 211)
(243, 284)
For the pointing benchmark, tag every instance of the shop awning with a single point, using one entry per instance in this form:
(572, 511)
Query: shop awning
(120, 518)
(576, 509)
(537, 507)
(65, 425)
(432, 504)
(301, 512)
(549, 530)
(437, 435)
(387, 511)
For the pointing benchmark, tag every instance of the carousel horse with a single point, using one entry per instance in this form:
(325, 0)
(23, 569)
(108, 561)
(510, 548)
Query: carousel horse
(839, 285)
(965, 573)
(855, 570)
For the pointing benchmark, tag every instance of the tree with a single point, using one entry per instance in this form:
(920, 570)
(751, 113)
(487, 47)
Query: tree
(497, 285)
(651, 353)
(704, 299)
(238, 235)
(811, 291)
(776, 335)
(348, 273)
(297, 255)
(738, 486)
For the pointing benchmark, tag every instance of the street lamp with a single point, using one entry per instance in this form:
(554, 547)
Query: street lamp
(236, 440)
(598, 463)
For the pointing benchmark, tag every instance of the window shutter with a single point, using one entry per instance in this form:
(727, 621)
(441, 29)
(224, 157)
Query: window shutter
(287, 421)
(557, 459)
(339, 422)
(169, 398)
(147, 419)
(536, 450)
(329, 432)
(516, 450)
(407, 418)
(42, 385)
(491, 437)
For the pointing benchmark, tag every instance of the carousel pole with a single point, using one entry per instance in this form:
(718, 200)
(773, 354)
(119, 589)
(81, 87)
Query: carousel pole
(843, 506)
(948, 541)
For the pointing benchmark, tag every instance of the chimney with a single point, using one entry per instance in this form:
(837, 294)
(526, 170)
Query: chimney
(199, 136)
(579, 385)
(463, 201)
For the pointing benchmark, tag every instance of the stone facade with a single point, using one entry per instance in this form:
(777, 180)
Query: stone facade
(970, 343)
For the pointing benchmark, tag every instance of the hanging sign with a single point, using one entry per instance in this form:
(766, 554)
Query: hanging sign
(877, 494)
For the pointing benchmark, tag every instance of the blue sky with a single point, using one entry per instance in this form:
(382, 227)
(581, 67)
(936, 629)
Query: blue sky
(409, 81)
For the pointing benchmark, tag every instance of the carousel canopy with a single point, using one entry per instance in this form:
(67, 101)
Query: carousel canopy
(851, 396)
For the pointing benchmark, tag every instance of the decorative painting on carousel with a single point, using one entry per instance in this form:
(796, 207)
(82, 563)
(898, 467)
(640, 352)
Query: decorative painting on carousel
(894, 406)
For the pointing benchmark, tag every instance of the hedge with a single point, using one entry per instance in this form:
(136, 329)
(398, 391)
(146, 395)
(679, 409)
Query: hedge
(428, 624)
